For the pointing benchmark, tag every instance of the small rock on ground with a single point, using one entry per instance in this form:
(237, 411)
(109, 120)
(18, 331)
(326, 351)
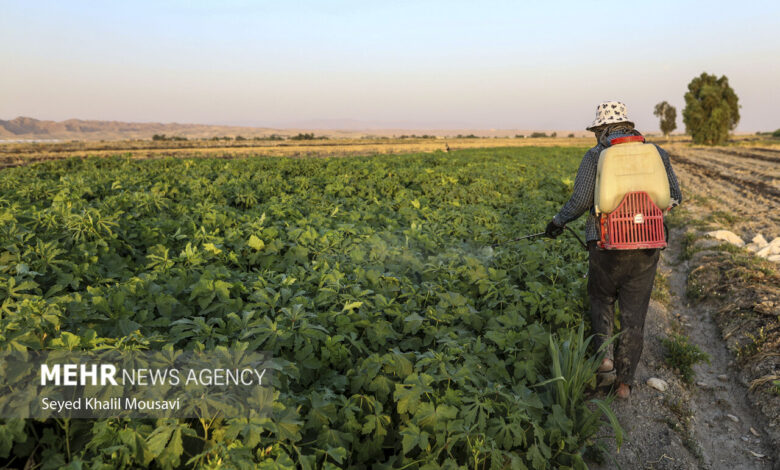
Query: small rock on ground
(657, 384)
(727, 236)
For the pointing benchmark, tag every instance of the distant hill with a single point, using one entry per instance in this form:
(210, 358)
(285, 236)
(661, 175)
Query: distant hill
(27, 128)
(30, 128)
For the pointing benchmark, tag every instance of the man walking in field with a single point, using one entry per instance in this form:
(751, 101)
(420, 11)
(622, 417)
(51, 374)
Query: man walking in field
(621, 275)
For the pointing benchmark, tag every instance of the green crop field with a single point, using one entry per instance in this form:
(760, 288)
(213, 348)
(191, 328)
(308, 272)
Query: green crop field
(404, 340)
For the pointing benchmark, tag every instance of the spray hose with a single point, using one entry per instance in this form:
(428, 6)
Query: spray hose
(534, 235)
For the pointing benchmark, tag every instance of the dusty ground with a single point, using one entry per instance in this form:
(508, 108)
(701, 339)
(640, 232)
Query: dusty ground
(743, 181)
(719, 421)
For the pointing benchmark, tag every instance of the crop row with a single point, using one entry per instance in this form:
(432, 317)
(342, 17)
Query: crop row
(400, 338)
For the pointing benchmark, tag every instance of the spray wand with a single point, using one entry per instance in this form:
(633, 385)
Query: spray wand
(534, 235)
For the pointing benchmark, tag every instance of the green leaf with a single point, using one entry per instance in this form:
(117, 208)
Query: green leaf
(613, 421)
(212, 248)
(430, 417)
(67, 341)
(11, 431)
(158, 440)
(351, 306)
(170, 457)
(336, 453)
(255, 243)
(410, 439)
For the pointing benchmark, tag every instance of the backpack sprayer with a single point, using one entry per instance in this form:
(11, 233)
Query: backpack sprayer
(631, 194)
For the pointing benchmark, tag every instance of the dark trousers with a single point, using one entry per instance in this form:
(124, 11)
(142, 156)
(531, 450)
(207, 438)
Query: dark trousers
(625, 276)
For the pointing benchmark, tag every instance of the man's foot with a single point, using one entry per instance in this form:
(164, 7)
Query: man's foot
(606, 365)
(623, 391)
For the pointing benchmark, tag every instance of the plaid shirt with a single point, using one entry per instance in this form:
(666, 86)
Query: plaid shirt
(585, 182)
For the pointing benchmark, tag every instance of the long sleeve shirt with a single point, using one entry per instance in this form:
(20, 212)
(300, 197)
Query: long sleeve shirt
(585, 183)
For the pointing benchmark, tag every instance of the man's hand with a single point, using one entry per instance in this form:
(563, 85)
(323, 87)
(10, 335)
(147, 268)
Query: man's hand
(553, 229)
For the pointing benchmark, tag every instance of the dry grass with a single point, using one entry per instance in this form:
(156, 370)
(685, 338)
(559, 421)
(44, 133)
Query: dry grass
(14, 154)
(20, 154)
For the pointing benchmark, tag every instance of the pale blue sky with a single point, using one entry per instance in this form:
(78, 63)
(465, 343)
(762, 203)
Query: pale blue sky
(488, 64)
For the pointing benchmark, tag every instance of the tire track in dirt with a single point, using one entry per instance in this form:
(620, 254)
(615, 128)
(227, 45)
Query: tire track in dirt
(763, 149)
(757, 210)
(759, 186)
(742, 169)
(761, 168)
(753, 154)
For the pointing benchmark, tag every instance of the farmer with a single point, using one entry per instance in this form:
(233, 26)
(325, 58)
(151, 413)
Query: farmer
(625, 276)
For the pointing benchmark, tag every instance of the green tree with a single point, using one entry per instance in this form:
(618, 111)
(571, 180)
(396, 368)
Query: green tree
(711, 109)
(668, 116)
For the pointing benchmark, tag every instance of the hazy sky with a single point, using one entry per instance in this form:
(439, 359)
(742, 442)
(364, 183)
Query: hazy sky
(486, 64)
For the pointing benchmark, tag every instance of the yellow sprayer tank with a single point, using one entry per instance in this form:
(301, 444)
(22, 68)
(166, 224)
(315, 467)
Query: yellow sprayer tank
(627, 167)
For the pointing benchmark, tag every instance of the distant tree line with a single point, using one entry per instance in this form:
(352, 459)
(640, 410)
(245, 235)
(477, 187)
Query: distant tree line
(168, 137)
(272, 137)
(307, 136)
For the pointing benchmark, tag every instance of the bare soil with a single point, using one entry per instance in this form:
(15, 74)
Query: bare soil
(744, 182)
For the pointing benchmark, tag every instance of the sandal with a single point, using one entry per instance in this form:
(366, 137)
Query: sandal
(606, 366)
(623, 391)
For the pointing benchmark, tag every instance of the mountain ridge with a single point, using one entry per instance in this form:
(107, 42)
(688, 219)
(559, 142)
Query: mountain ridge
(28, 128)
(24, 127)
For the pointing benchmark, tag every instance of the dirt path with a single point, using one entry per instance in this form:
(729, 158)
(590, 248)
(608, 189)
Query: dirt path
(687, 426)
(722, 414)
(710, 424)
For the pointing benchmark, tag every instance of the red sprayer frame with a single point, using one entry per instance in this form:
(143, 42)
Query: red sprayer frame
(637, 223)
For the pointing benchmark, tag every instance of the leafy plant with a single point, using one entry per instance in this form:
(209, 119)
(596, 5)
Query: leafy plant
(402, 339)
(754, 345)
(574, 370)
(680, 354)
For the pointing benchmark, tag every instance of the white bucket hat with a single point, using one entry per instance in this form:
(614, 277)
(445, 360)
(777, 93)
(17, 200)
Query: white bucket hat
(609, 112)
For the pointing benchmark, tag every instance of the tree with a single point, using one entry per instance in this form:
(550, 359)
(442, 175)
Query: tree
(668, 116)
(711, 109)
